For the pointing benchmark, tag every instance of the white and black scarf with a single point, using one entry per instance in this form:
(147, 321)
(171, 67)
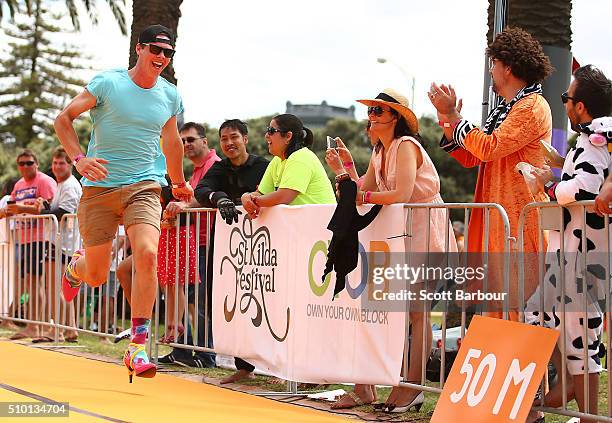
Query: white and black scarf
(494, 120)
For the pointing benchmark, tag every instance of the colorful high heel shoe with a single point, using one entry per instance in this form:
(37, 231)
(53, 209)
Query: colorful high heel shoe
(137, 362)
(70, 283)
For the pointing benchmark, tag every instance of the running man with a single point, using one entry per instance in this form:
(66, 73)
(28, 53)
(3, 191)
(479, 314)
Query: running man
(123, 172)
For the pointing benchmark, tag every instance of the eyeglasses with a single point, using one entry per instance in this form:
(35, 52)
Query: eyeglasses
(565, 97)
(28, 163)
(377, 110)
(168, 52)
(190, 139)
(271, 131)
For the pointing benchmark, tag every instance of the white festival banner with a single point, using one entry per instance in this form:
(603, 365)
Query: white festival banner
(272, 309)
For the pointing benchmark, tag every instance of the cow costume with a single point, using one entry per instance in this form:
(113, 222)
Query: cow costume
(585, 168)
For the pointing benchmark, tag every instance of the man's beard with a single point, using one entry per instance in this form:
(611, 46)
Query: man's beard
(494, 87)
(574, 125)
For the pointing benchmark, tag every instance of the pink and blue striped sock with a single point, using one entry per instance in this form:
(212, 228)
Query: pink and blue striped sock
(140, 327)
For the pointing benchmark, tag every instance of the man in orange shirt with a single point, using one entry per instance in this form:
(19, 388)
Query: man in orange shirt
(511, 134)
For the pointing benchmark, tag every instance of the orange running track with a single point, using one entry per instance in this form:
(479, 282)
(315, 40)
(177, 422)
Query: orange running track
(99, 391)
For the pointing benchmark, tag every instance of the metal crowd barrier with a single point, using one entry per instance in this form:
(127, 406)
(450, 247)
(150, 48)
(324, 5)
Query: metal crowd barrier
(22, 302)
(441, 344)
(553, 217)
(29, 265)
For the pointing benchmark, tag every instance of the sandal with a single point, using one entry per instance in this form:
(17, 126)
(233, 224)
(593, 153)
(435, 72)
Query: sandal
(169, 336)
(43, 338)
(20, 335)
(356, 401)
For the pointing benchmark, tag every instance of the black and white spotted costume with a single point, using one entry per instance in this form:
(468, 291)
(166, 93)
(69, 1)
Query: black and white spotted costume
(585, 168)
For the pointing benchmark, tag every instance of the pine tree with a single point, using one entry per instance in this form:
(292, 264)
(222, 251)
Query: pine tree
(37, 77)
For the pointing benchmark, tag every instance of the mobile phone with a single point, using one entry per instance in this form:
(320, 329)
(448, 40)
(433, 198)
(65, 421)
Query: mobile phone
(331, 142)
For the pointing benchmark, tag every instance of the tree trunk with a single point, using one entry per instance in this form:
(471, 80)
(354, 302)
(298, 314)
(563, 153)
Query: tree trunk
(549, 21)
(151, 12)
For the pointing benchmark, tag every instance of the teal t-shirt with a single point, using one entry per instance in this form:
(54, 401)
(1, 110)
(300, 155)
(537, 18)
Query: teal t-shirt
(302, 172)
(127, 123)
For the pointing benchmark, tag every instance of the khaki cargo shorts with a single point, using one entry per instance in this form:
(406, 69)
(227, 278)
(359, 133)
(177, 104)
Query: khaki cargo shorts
(102, 209)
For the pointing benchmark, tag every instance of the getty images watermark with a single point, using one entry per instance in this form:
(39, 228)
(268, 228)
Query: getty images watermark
(439, 280)
(419, 275)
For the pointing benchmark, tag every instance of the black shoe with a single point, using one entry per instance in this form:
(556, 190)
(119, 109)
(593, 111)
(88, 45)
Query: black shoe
(167, 359)
(192, 362)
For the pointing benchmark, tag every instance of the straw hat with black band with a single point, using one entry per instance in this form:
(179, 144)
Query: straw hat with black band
(397, 102)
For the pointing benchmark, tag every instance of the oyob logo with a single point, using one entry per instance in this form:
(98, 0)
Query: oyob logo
(367, 260)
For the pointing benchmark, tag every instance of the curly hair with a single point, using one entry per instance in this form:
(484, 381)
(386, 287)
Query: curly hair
(518, 49)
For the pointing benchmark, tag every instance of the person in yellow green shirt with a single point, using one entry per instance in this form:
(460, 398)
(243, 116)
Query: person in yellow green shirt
(295, 176)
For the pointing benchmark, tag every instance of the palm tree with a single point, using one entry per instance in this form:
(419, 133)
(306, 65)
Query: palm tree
(116, 6)
(149, 12)
(549, 21)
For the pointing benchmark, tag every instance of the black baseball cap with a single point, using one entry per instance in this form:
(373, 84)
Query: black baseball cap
(151, 35)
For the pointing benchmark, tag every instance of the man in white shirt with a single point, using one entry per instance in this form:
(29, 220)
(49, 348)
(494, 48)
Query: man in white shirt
(65, 201)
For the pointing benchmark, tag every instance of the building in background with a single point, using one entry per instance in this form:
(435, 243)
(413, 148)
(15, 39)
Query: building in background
(317, 115)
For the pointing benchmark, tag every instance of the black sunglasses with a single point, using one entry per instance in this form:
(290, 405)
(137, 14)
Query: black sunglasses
(28, 163)
(565, 98)
(168, 52)
(271, 131)
(190, 139)
(377, 110)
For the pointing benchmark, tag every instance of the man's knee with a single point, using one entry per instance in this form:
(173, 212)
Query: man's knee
(146, 258)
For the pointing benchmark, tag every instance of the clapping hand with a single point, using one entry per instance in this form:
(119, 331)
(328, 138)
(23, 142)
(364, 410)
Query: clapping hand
(444, 99)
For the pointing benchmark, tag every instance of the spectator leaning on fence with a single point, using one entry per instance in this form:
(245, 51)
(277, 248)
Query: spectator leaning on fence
(222, 187)
(123, 170)
(511, 134)
(400, 171)
(588, 103)
(33, 185)
(203, 158)
(295, 175)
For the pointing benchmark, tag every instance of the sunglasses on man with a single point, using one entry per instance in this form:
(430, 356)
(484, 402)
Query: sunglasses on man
(26, 163)
(168, 52)
(271, 131)
(565, 97)
(189, 140)
(377, 110)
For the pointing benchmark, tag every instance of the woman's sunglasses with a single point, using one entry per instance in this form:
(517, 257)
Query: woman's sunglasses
(377, 110)
(271, 131)
(168, 52)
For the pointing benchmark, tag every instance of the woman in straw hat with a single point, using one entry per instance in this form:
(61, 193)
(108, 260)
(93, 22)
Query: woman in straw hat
(400, 171)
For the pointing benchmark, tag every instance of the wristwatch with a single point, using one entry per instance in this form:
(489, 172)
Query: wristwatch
(342, 177)
(549, 189)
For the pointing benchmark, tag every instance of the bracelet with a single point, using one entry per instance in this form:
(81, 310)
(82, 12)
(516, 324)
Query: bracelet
(179, 185)
(363, 196)
(367, 196)
(448, 124)
(348, 165)
(78, 157)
